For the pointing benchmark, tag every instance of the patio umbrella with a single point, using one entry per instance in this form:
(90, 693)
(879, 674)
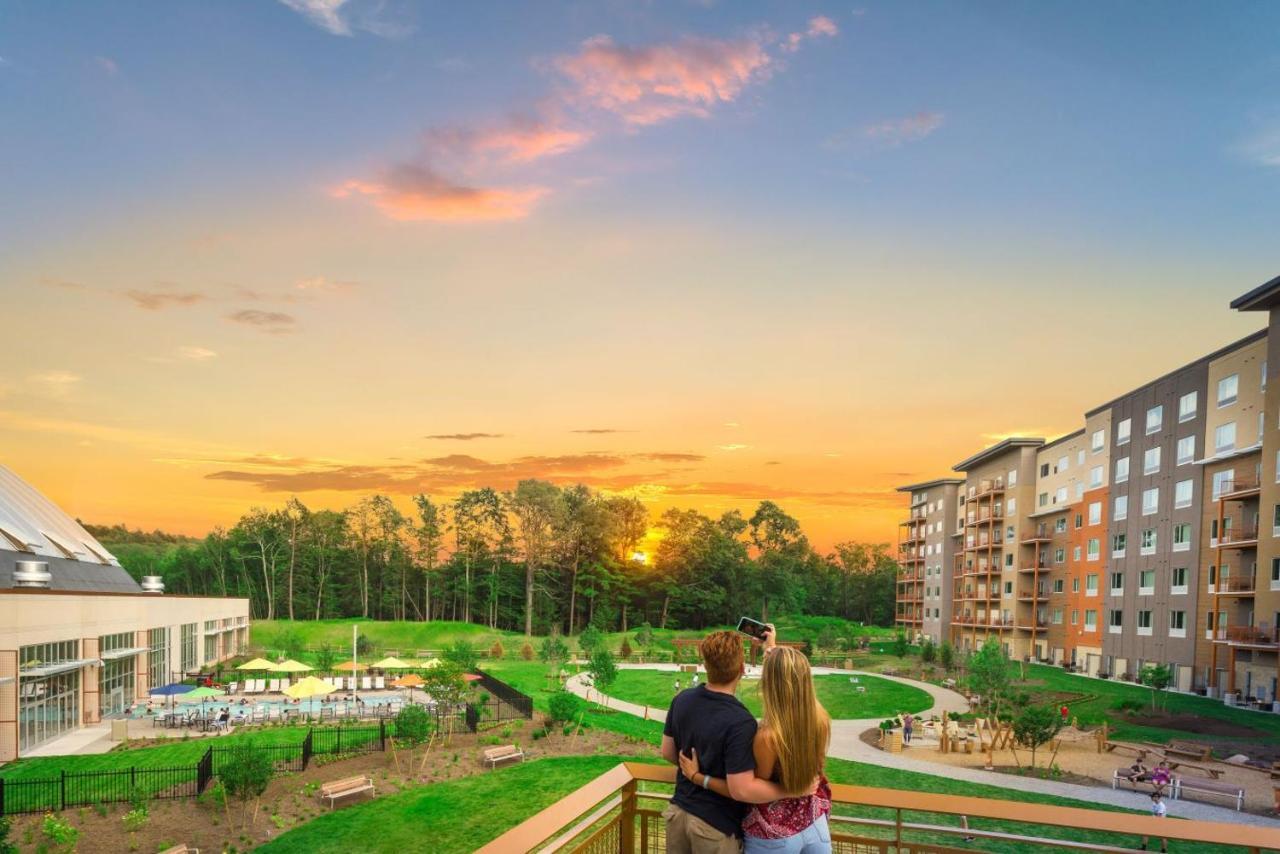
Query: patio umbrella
(201, 694)
(256, 664)
(290, 666)
(470, 677)
(430, 663)
(308, 687)
(171, 690)
(409, 680)
(349, 666)
(391, 663)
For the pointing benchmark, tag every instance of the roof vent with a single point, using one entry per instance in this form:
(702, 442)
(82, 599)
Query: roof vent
(152, 584)
(31, 573)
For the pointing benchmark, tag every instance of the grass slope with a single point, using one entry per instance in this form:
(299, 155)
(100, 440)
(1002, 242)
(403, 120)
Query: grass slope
(841, 698)
(464, 814)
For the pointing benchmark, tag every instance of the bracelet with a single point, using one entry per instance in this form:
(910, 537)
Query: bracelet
(706, 781)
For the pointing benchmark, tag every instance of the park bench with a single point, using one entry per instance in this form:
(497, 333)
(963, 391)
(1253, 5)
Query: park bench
(1117, 747)
(1127, 775)
(343, 788)
(1275, 770)
(1209, 787)
(1190, 749)
(506, 752)
(181, 849)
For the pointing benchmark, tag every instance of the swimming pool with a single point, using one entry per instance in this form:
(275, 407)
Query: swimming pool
(273, 709)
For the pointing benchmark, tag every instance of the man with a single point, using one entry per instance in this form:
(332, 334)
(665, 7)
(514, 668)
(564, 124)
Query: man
(710, 720)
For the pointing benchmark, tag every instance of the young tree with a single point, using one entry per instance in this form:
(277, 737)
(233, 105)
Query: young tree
(1157, 677)
(900, 645)
(245, 775)
(928, 652)
(947, 656)
(1034, 726)
(990, 675)
(325, 658)
(444, 684)
(604, 672)
(553, 649)
(590, 640)
(462, 655)
(413, 725)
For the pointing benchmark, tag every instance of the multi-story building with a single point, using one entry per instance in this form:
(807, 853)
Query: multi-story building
(1138, 539)
(926, 548)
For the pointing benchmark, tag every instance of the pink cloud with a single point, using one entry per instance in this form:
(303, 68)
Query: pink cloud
(649, 84)
(819, 26)
(519, 140)
(412, 192)
(902, 130)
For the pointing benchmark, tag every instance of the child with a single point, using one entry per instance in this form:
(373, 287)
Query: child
(1157, 811)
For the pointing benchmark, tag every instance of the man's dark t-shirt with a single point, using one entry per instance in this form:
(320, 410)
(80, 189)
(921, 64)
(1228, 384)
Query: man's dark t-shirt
(721, 729)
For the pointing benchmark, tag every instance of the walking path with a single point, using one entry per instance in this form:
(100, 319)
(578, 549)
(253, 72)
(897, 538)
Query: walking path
(846, 743)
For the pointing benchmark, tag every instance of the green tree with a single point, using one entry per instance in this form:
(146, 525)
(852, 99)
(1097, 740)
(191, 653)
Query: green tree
(245, 774)
(644, 635)
(947, 655)
(900, 645)
(1034, 726)
(535, 504)
(413, 725)
(1157, 677)
(928, 652)
(462, 655)
(444, 684)
(563, 706)
(590, 640)
(604, 672)
(553, 649)
(428, 534)
(990, 675)
(326, 656)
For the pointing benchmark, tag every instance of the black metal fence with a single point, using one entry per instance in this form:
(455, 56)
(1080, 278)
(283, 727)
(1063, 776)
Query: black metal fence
(522, 704)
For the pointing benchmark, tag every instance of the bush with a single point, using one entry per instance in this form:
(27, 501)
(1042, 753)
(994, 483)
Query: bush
(625, 649)
(1129, 704)
(462, 655)
(496, 651)
(413, 724)
(900, 645)
(928, 652)
(246, 772)
(563, 706)
(553, 649)
(644, 634)
(59, 832)
(590, 640)
(6, 847)
(526, 652)
(135, 820)
(326, 656)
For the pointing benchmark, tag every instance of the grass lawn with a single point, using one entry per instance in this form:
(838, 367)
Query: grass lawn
(461, 815)
(882, 699)
(1102, 695)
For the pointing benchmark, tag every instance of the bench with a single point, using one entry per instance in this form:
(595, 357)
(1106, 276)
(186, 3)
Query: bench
(1116, 747)
(343, 788)
(1127, 775)
(1190, 749)
(1209, 787)
(181, 849)
(505, 753)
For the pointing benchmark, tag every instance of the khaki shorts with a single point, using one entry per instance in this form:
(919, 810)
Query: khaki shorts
(688, 834)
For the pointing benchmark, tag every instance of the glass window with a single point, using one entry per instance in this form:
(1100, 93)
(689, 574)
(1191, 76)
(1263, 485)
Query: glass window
(1228, 390)
(1117, 582)
(1187, 406)
(158, 657)
(1183, 493)
(1186, 450)
(1091, 584)
(1119, 542)
(1177, 621)
(1099, 441)
(1155, 419)
(1147, 582)
(1094, 548)
(1151, 461)
(50, 705)
(1123, 430)
(1122, 470)
(1090, 620)
(1224, 437)
(1095, 477)
(189, 663)
(1144, 619)
(1182, 537)
(1122, 508)
(1150, 501)
(1179, 579)
(1095, 513)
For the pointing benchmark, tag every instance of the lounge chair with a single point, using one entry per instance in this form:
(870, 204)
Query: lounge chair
(273, 687)
(231, 688)
(339, 683)
(285, 683)
(379, 683)
(366, 684)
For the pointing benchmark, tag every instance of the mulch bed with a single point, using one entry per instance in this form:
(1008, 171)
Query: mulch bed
(1194, 724)
(291, 798)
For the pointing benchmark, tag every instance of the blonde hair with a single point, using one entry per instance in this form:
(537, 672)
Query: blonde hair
(797, 724)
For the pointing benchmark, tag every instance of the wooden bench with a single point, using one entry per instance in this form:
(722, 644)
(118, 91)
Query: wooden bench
(505, 753)
(1116, 747)
(1190, 749)
(181, 849)
(1127, 775)
(1209, 787)
(342, 788)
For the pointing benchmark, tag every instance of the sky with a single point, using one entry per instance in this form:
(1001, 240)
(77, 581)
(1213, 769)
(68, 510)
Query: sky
(705, 253)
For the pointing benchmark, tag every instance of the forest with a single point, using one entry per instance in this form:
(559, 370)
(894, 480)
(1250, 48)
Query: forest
(536, 558)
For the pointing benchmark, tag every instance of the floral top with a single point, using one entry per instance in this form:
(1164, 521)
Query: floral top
(788, 816)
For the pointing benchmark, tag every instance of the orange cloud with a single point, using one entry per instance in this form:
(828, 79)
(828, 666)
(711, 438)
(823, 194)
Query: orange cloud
(521, 139)
(412, 192)
(819, 26)
(650, 84)
(156, 300)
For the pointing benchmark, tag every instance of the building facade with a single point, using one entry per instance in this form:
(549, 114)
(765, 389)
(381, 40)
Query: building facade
(926, 547)
(1141, 538)
(81, 640)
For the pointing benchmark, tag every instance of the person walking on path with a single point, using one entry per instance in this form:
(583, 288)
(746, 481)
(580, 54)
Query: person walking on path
(1158, 810)
(908, 723)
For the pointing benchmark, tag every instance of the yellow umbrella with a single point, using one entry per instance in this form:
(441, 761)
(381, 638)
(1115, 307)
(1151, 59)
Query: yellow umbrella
(430, 663)
(290, 666)
(350, 665)
(409, 680)
(392, 663)
(257, 664)
(308, 687)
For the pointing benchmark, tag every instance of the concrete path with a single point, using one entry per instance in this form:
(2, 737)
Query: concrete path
(846, 743)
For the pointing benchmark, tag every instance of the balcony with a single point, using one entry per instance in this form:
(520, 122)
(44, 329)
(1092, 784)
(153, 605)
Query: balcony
(1041, 534)
(1038, 567)
(1246, 539)
(1250, 636)
(1239, 489)
(1239, 585)
(613, 814)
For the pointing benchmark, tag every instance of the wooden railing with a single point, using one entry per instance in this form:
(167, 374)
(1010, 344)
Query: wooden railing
(613, 814)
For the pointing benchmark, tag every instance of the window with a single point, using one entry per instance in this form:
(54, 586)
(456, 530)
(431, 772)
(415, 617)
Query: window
(1178, 581)
(189, 663)
(1117, 583)
(1150, 501)
(1155, 419)
(1094, 547)
(1228, 390)
(1186, 450)
(1091, 620)
(1075, 554)
(1151, 461)
(1044, 499)
(1122, 431)
(1063, 462)
(1057, 585)
(1013, 507)
(1187, 407)
(1144, 622)
(1079, 521)
(1275, 521)
(1275, 573)
(1012, 480)
(1264, 374)
(1095, 477)
(1224, 437)
(1147, 582)
(1115, 621)
(1099, 441)
(1060, 526)
(1183, 492)
(1119, 542)
(1060, 497)
(1121, 511)
(1080, 457)
(1221, 480)
(1122, 470)
(1044, 469)
(1008, 588)
(1075, 584)
(1057, 616)
(1075, 617)
(1177, 624)
(1091, 584)
(1059, 555)
(1149, 540)
(1182, 537)
(1095, 513)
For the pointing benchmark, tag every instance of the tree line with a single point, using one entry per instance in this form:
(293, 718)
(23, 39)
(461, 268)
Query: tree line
(535, 558)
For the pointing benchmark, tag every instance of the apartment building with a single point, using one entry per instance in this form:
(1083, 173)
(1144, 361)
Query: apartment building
(927, 547)
(1141, 538)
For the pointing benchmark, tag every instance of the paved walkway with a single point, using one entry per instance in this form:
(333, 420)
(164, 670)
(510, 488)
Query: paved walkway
(846, 743)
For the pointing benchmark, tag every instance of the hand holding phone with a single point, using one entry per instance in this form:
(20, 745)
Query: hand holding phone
(753, 628)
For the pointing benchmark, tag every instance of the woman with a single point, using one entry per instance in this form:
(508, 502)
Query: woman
(790, 749)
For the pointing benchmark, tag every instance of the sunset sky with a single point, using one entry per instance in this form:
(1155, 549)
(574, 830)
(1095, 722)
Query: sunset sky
(705, 252)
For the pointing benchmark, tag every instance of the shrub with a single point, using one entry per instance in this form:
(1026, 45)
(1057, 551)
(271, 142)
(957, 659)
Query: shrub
(462, 655)
(246, 773)
(603, 670)
(644, 634)
(625, 649)
(590, 640)
(900, 645)
(928, 652)
(553, 649)
(947, 655)
(135, 820)
(1034, 726)
(59, 832)
(6, 847)
(364, 646)
(496, 651)
(413, 724)
(563, 706)
(526, 652)
(325, 658)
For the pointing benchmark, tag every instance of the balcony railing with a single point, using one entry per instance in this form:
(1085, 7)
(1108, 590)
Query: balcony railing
(1239, 488)
(1251, 635)
(611, 814)
(1238, 539)
(1236, 584)
(1041, 534)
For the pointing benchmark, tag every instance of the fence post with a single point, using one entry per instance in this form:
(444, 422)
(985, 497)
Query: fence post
(382, 734)
(339, 750)
(627, 821)
(1, 797)
(133, 776)
(306, 748)
(62, 798)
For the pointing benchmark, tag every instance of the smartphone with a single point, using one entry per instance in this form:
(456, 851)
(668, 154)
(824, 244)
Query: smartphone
(752, 628)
